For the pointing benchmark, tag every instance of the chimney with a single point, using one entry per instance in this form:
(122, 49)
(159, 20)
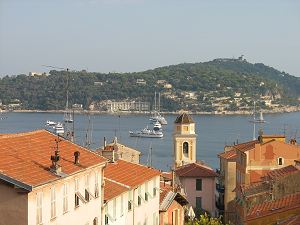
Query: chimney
(293, 141)
(173, 180)
(76, 155)
(55, 167)
(104, 143)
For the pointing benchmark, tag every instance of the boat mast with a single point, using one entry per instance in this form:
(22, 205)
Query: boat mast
(254, 121)
(158, 101)
(155, 101)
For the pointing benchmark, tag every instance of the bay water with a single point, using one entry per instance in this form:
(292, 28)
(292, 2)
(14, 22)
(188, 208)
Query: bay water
(214, 132)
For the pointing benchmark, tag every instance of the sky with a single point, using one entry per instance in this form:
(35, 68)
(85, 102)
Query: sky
(136, 35)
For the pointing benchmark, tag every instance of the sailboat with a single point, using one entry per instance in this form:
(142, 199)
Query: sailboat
(257, 120)
(157, 117)
(68, 118)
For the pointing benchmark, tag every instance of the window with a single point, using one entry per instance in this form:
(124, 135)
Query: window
(106, 219)
(129, 201)
(198, 184)
(122, 205)
(65, 198)
(96, 185)
(280, 161)
(146, 191)
(76, 190)
(39, 207)
(175, 217)
(185, 149)
(139, 196)
(114, 208)
(186, 128)
(198, 203)
(86, 193)
(154, 187)
(53, 203)
(95, 221)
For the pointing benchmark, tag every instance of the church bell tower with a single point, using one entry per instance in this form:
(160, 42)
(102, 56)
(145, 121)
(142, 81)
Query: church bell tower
(184, 138)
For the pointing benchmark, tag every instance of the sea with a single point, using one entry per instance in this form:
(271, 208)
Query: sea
(213, 132)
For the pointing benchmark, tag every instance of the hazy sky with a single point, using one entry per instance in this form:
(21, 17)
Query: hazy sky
(135, 35)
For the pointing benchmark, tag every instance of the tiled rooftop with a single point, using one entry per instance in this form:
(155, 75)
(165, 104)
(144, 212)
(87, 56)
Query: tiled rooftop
(113, 189)
(273, 207)
(229, 154)
(246, 146)
(195, 170)
(129, 174)
(273, 174)
(25, 157)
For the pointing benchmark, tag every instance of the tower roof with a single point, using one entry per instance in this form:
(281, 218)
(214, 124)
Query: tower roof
(184, 118)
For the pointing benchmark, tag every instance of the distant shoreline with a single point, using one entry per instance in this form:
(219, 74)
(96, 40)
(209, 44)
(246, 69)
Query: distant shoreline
(280, 110)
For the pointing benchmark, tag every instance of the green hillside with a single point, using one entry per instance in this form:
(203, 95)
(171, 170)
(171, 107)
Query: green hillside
(192, 86)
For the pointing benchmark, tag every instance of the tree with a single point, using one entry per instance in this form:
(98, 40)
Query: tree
(204, 219)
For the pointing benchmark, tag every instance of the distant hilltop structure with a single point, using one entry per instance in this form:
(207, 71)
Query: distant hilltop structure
(240, 59)
(33, 74)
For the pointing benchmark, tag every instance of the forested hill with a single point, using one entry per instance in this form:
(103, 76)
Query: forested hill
(192, 86)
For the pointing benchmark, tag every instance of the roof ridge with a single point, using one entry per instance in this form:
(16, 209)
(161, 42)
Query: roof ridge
(21, 134)
(116, 182)
(138, 164)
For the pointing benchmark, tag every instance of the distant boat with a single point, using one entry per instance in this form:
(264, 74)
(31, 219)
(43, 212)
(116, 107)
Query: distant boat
(257, 120)
(157, 126)
(146, 133)
(158, 118)
(59, 129)
(156, 115)
(50, 123)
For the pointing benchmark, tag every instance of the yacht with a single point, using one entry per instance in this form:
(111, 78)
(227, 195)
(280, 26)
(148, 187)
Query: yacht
(59, 129)
(157, 126)
(50, 123)
(146, 133)
(156, 115)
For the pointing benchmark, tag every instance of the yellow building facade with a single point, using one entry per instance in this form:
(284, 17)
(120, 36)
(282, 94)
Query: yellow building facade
(184, 138)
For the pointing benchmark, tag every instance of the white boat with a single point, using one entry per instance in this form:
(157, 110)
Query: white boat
(156, 115)
(157, 126)
(146, 133)
(257, 120)
(59, 129)
(50, 123)
(158, 118)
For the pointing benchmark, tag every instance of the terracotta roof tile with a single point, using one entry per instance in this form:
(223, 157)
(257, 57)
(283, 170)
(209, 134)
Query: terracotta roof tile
(273, 174)
(229, 154)
(195, 170)
(166, 175)
(273, 207)
(25, 157)
(246, 146)
(113, 189)
(128, 173)
(164, 190)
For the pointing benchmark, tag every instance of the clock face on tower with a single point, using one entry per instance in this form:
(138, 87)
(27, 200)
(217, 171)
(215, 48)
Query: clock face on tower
(185, 149)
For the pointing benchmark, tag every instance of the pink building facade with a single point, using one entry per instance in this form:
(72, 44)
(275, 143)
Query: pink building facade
(199, 184)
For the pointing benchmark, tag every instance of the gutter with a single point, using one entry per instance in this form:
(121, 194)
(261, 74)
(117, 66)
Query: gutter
(16, 182)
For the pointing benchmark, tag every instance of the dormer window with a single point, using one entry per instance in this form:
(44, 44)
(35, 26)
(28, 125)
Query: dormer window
(280, 161)
(185, 149)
